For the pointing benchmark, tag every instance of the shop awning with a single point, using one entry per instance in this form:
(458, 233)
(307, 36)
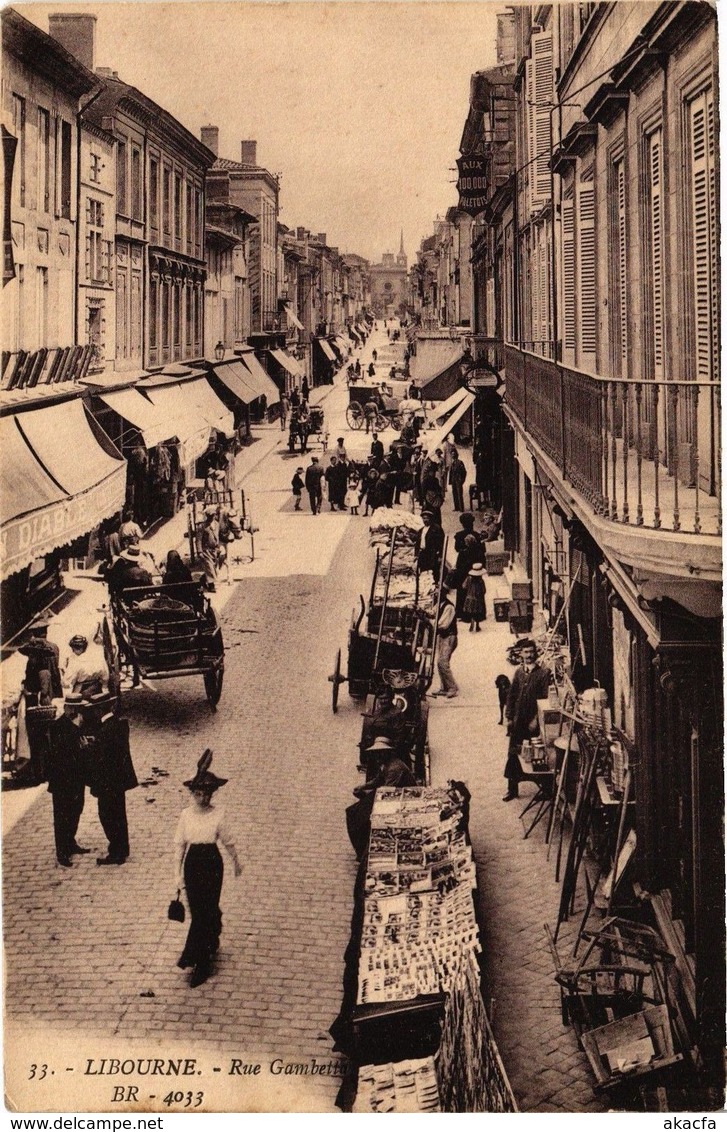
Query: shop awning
(57, 481)
(259, 380)
(327, 349)
(433, 439)
(293, 318)
(212, 408)
(135, 408)
(177, 402)
(445, 407)
(289, 364)
(236, 377)
(353, 332)
(343, 344)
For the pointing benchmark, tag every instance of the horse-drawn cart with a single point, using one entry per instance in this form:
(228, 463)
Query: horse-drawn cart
(161, 632)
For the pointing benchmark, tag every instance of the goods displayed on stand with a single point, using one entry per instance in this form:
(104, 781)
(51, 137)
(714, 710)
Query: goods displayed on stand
(412, 1001)
(391, 643)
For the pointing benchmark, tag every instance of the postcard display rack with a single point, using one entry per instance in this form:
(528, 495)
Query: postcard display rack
(419, 1032)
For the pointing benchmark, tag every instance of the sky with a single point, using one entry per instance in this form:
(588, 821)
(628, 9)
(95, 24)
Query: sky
(359, 106)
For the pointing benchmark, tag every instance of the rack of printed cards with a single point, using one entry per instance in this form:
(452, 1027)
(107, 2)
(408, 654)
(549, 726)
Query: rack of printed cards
(416, 931)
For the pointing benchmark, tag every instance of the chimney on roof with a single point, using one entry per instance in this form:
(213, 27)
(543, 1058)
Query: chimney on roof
(77, 34)
(321, 237)
(210, 136)
(248, 152)
(107, 73)
(300, 233)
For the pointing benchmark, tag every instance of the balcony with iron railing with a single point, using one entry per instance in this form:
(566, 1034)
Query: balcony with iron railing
(643, 455)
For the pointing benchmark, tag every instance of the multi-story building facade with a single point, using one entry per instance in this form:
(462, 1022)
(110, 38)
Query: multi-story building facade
(227, 295)
(43, 88)
(96, 309)
(596, 285)
(252, 188)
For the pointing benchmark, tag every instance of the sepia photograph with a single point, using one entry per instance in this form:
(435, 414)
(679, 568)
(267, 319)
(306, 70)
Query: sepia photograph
(419, 807)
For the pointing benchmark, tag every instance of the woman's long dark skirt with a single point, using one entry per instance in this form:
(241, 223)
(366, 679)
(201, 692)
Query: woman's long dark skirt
(203, 871)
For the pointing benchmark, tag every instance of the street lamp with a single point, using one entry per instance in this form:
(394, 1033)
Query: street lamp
(219, 351)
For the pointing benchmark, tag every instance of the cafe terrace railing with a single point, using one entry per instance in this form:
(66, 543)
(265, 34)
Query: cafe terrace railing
(642, 453)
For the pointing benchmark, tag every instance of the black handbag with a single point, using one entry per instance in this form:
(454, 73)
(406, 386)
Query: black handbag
(176, 909)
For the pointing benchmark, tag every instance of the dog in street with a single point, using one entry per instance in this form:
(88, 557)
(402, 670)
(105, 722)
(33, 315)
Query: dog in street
(502, 683)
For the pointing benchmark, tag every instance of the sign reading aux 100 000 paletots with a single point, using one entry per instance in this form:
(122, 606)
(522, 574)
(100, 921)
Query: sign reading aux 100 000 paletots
(472, 183)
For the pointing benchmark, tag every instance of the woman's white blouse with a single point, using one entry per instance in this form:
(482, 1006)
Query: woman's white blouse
(202, 827)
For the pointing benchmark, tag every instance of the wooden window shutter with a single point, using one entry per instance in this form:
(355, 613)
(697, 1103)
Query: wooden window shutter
(656, 235)
(587, 268)
(569, 275)
(704, 240)
(542, 97)
(622, 265)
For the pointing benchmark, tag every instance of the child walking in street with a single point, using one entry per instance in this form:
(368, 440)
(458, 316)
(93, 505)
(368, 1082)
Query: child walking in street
(352, 499)
(297, 485)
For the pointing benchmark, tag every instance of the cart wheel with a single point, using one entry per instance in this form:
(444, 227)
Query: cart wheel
(355, 416)
(397, 422)
(336, 680)
(213, 686)
(382, 422)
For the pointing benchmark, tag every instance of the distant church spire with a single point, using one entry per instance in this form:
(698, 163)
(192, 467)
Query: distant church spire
(401, 245)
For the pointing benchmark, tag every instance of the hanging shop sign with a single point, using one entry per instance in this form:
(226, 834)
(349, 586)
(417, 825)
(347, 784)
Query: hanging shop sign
(472, 183)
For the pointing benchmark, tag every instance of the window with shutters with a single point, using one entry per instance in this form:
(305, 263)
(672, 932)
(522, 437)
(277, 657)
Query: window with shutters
(167, 200)
(19, 131)
(96, 246)
(63, 168)
(655, 241)
(43, 160)
(121, 177)
(618, 286)
(136, 187)
(569, 274)
(154, 196)
(702, 186)
(153, 313)
(539, 88)
(586, 251)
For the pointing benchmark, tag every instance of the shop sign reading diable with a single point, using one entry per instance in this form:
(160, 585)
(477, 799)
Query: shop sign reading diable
(24, 539)
(472, 183)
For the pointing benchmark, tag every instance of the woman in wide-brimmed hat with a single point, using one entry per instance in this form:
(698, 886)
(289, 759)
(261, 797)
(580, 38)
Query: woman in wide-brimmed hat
(474, 598)
(199, 869)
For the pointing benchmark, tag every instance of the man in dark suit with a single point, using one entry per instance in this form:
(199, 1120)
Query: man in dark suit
(430, 544)
(530, 684)
(66, 772)
(110, 773)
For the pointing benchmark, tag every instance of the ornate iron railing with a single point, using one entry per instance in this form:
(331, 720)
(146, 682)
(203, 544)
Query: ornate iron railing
(643, 453)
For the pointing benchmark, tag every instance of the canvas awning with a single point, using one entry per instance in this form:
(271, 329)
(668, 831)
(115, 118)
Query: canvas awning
(293, 318)
(177, 403)
(432, 439)
(236, 378)
(344, 345)
(57, 479)
(327, 349)
(259, 380)
(212, 409)
(289, 364)
(139, 411)
(445, 407)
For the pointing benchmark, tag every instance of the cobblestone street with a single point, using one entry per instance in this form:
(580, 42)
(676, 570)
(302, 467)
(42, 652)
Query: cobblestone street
(90, 953)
